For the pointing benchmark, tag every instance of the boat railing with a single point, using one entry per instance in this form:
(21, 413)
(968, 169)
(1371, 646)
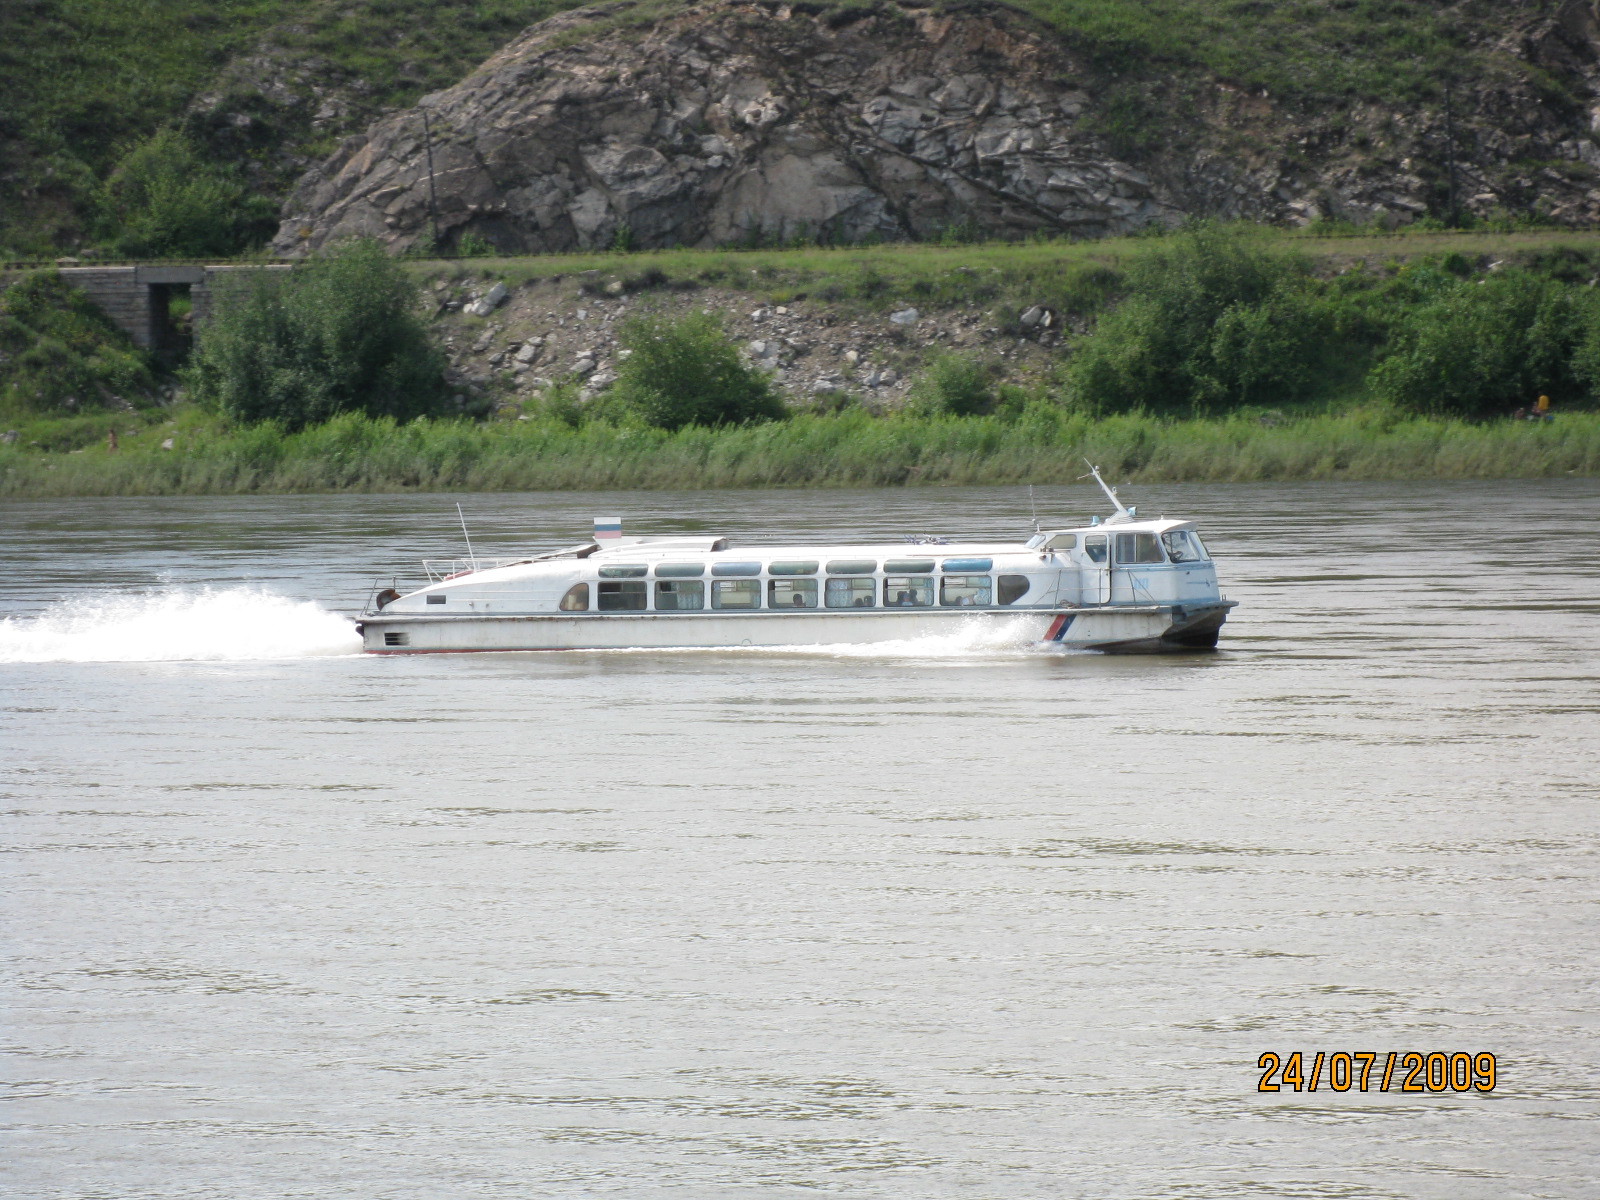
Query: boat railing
(440, 569)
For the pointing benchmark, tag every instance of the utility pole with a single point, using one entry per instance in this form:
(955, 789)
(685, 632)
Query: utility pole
(433, 196)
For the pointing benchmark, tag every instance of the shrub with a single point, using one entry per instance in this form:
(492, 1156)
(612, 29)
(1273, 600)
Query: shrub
(954, 384)
(686, 372)
(164, 200)
(1486, 346)
(340, 334)
(1209, 323)
(60, 353)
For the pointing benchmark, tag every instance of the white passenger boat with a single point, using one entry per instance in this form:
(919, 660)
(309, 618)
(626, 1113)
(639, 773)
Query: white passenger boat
(1123, 584)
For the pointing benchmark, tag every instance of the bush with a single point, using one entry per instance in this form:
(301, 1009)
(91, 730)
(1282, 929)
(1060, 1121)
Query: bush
(1209, 323)
(164, 200)
(1485, 347)
(686, 372)
(60, 353)
(954, 384)
(340, 334)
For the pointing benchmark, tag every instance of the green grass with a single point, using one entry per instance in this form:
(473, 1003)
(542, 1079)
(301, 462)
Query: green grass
(1040, 445)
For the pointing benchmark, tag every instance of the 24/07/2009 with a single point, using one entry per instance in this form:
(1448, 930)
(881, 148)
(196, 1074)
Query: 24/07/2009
(1433, 1072)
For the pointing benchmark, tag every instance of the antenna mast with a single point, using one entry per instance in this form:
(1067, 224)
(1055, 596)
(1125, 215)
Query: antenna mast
(1034, 507)
(1111, 492)
(471, 557)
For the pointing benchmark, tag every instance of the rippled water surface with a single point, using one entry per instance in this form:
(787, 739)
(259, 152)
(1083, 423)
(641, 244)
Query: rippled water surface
(941, 919)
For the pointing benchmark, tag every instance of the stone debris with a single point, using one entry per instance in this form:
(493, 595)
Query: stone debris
(906, 316)
(489, 301)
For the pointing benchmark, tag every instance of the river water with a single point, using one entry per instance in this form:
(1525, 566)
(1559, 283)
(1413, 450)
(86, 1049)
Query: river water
(939, 919)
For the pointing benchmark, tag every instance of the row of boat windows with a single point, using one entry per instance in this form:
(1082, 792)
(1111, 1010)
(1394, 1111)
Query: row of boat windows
(837, 566)
(893, 591)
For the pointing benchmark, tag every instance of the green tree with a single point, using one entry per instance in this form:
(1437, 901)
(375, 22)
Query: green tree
(685, 371)
(1208, 323)
(341, 333)
(955, 384)
(165, 200)
(1487, 346)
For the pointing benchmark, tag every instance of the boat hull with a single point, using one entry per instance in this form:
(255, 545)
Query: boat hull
(1142, 628)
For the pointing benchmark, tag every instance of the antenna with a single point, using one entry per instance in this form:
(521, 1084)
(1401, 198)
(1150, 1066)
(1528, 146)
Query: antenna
(1034, 507)
(1110, 492)
(471, 557)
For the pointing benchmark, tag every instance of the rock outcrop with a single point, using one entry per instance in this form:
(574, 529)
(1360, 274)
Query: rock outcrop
(760, 122)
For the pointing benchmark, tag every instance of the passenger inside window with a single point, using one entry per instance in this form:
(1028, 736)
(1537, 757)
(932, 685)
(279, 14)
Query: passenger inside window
(851, 593)
(680, 595)
(576, 599)
(736, 593)
(791, 593)
(965, 591)
(1094, 548)
(907, 591)
(623, 597)
(1014, 587)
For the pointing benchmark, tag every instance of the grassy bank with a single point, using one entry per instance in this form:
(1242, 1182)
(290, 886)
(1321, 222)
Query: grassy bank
(1040, 445)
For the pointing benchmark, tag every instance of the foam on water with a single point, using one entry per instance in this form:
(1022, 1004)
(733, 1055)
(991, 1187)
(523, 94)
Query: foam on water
(177, 625)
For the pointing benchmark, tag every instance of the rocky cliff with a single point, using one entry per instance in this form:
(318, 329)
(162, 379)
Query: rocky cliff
(724, 123)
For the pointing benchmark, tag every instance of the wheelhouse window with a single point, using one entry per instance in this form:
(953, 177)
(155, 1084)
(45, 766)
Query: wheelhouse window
(965, 591)
(792, 568)
(1094, 548)
(791, 593)
(851, 593)
(735, 593)
(680, 595)
(1183, 546)
(680, 570)
(1134, 549)
(907, 591)
(1061, 541)
(852, 566)
(1013, 588)
(736, 568)
(624, 571)
(629, 596)
(576, 599)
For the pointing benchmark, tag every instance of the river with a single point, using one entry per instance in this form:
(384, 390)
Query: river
(940, 919)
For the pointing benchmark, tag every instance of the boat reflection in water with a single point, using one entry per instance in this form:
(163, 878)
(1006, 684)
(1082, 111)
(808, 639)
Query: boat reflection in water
(1124, 585)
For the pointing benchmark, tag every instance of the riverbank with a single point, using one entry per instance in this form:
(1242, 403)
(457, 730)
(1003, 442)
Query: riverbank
(1041, 444)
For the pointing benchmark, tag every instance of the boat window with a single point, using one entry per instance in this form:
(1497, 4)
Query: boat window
(1094, 548)
(576, 599)
(680, 570)
(623, 597)
(1062, 541)
(1013, 588)
(680, 595)
(909, 566)
(965, 591)
(1138, 548)
(1183, 546)
(851, 566)
(793, 568)
(968, 564)
(851, 593)
(791, 593)
(907, 591)
(736, 568)
(438, 599)
(736, 593)
(624, 571)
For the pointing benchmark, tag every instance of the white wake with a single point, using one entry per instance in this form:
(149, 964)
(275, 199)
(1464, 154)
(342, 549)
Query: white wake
(177, 625)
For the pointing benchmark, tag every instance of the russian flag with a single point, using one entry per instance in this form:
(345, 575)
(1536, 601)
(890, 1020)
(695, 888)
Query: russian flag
(607, 527)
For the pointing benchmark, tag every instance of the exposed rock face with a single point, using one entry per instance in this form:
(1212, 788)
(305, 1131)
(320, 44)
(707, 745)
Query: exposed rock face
(730, 123)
